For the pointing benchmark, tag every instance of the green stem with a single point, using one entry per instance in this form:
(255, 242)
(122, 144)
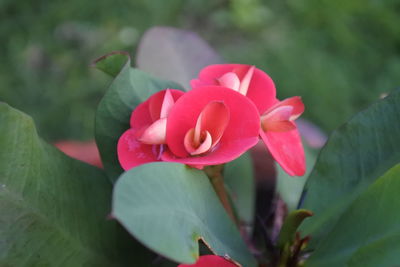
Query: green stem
(216, 177)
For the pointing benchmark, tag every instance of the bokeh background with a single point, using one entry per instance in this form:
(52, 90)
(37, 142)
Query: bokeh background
(338, 55)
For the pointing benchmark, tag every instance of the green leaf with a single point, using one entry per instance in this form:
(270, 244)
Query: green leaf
(290, 188)
(290, 226)
(129, 88)
(169, 207)
(349, 165)
(383, 252)
(239, 182)
(112, 63)
(174, 54)
(53, 208)
(368, 232)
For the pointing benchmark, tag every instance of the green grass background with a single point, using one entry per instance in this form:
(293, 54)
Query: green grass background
(338, 55)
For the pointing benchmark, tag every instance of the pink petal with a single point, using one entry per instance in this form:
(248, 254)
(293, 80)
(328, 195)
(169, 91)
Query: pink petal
(155, 133)
(278, 119)
(149, 111)
(245, 82)
(280, 113)
(295, 102)
(261, 89)
(83, 151)
(287, 149)
(192, 147)
(279, 126)
(240, 134)
(210, 261)
(230, 80)
(167, 104)
(214, 119)
(132, 153)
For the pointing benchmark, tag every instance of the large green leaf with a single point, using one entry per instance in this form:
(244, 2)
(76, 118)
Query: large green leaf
(383, 252)
(239, 182)
(129, 88)
(355, 156)
(169, 207)
(53, 209)
(368, 232)
(174, 54)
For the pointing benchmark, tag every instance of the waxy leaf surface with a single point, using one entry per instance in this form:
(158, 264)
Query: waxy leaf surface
(53, 209)
(169, 207)
(368, 232)
(345, 189)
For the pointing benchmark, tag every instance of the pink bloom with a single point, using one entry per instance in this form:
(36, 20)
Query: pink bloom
(246, 79)
(209, 126)
(210, 261)
(278, 131)
(145, 141)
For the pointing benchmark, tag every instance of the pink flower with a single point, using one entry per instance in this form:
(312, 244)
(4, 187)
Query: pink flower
(210, 261)
(246, 79)
(145, 141)
(279, 131)
(210, 126)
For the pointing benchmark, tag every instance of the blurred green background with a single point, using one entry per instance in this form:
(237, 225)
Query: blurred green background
(338, 55)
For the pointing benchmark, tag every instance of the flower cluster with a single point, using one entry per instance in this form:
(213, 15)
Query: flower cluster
(230, 107)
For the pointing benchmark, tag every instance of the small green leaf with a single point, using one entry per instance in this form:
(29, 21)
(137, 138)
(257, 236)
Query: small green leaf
(112, 63)
(53, 209)
(129, 88)
(169, 207)
(290, 226)
(239, 182)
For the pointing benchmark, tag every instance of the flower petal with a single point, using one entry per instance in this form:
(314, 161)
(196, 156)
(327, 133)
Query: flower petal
(230, 80)
(149, 111)
(167, 104)
(155, 133)
(240, 134)
(245, 82)
(261, 89)
(210, 261)
(295, 102)
(191, 145)
(214, 118)
(287, 149)
(278, 119)
(132, 153)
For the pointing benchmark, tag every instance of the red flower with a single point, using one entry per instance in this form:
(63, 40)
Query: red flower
(209, 126)
(210, 261)
(278, 131)
(246, 79)
(145, 141)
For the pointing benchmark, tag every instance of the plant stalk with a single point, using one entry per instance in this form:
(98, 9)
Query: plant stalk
(215, 174)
